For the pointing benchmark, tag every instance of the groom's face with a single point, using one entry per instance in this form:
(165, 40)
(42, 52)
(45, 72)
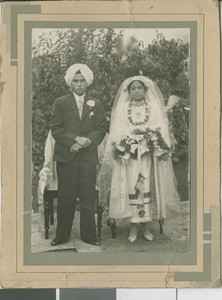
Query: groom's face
(79, 84)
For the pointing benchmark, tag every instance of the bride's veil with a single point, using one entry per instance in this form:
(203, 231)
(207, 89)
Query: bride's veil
(166, 191)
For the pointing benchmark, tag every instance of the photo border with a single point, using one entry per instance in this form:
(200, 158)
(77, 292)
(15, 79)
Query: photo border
(205, 274)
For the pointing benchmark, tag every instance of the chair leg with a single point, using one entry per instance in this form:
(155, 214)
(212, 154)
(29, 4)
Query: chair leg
(51, 211)
(112, 223)
(99, 220)
(46, 200)
(161, 226)
(113, 228)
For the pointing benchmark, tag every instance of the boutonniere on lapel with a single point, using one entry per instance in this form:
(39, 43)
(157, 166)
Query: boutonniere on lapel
(91, 104)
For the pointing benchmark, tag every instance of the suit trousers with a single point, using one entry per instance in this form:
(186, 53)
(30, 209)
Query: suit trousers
(76, 179)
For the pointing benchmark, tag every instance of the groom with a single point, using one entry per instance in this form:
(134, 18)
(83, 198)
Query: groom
(78, 124)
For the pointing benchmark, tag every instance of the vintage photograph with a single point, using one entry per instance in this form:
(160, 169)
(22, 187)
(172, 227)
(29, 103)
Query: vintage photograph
(110, 144)
(111, 114)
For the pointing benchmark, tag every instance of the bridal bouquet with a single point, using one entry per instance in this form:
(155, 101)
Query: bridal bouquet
(140, 143)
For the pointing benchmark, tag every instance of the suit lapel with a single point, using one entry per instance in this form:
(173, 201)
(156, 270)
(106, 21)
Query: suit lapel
(73, 106)
(86, 108)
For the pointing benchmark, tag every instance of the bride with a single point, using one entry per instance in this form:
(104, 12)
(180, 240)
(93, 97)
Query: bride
(136, 179)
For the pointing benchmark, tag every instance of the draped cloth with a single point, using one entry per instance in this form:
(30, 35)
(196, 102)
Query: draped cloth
(48, 174)
(112, 179)
(85, 71)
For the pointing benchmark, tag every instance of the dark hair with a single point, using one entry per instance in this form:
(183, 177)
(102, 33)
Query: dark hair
(143, 84)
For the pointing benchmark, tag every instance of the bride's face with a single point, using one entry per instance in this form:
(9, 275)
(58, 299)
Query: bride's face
(137, 91)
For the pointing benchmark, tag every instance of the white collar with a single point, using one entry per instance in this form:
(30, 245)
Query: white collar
(78, 97)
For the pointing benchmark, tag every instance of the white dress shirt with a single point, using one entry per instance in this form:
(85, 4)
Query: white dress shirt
(79, 102)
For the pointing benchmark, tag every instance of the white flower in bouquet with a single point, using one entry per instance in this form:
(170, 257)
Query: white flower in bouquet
(126, 156)
(145, 148)
(133, 148)
(153, 136)
(121, 148)
(139, 137)
(129, 139)
(155, 143)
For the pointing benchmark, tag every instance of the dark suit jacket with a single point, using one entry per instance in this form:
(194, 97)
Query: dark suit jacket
(66, 125)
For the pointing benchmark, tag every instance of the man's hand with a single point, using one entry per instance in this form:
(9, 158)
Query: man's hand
(83, 141)
(75, 148)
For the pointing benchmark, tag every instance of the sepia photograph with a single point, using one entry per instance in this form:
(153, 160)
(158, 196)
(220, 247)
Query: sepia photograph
(111, 140)
(110, 134)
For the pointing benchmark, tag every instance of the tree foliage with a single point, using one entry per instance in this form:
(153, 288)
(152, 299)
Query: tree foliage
(103, 51)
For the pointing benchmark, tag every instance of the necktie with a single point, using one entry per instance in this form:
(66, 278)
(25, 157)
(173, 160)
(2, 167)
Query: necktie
(80, 102)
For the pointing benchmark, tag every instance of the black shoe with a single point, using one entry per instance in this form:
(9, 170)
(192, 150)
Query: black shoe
(56, 242)
(93, 243)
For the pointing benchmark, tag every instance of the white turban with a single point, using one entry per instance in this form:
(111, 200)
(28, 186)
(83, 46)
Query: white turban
(85, 71)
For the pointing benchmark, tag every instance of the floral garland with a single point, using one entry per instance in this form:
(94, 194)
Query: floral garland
(133, 104)
(140, 143)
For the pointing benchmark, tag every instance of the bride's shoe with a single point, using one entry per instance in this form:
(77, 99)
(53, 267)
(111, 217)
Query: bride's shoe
(146, 232)
(133, 233)
(148, 237)
(132, 239)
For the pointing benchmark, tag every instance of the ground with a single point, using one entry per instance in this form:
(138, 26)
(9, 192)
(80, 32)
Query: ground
(177, 226)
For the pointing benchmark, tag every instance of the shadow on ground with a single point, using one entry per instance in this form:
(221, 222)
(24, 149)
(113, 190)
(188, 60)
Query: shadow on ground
(177, 239)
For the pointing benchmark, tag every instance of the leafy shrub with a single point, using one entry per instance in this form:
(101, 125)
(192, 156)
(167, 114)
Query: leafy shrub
(101, 49)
